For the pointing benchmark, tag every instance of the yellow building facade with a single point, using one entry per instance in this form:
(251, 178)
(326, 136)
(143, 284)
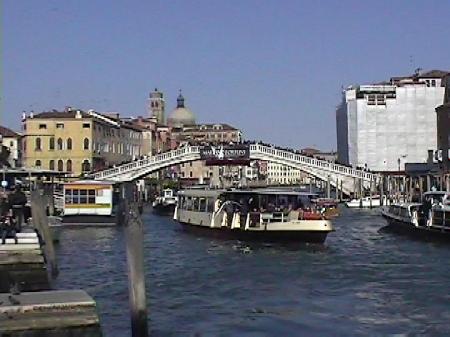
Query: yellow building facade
(78, 142)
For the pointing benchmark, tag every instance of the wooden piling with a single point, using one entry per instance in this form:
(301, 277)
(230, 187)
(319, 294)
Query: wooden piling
(382, 191)
(40, 221)
(328, 187)
(421, 186)
(360, 193)
(336, 197)
(448, 182)
(135, 263)
(370, 192)
(341, 193)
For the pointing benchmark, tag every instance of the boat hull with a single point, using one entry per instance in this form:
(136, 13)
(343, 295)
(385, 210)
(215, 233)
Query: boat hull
(88, 220)
(164, 209)
(419, 232)
(259, 236)
(364, 204)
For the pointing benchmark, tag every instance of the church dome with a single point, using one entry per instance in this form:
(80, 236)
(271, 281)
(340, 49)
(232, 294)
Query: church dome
(181, 115)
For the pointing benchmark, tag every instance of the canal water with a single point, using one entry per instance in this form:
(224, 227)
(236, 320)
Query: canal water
(365, 281)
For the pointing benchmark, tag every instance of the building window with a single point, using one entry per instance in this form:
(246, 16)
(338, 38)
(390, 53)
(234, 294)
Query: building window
(42, 126)
(51, 165)
(433, 83)
(24, 145)
(51, 143)
(38, 144)
(69, 144)
(60, 144)
(86, 144)
(86, 125)
(69, 166)
(190, 174)
(85, 166)
(59, 125)
(37, 163)
(60, 165)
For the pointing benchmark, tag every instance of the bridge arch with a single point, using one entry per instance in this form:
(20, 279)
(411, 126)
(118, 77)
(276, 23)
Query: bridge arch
(318, 168)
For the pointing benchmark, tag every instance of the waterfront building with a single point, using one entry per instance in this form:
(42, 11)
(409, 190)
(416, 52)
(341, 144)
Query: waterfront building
(443, 129)
(207, 134)
(78, 142)
(155, 137)
(330, 156)
(10, 143)
(383, 126)
(278, 174)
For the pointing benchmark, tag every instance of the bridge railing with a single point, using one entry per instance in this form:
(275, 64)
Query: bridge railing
(183, 154)
(318, 163)
(138, 164)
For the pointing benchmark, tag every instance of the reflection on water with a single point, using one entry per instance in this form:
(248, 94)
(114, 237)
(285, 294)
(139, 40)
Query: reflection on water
(362, 282)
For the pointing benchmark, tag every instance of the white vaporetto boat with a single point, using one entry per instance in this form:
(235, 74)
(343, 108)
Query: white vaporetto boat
(165, 204)
(263, 214)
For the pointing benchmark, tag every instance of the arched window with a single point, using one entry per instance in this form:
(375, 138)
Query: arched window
(85, 166)
(69, 144)
(86, 144)
(60, 144)
(24, 145)
(38, 144)
(51, 144)
(51, 165)
(38, 163)
(60, 165)
(69, 165)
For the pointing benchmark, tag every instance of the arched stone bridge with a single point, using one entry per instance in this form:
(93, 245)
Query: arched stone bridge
(341, 175)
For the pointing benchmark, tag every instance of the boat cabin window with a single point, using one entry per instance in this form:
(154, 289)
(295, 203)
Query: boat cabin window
(272, 202)
(82, 196)
(195, 203)
(210, 204)
(202, 205)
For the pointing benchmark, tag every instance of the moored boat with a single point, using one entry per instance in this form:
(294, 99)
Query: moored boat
(165, 203)
(89, 202)
(428, 219)
(366, 202)
(329, 207)
(261, 214)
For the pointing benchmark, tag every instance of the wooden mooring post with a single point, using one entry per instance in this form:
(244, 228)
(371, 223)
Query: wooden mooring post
(328, 187)
(40, 221)
(135, 261)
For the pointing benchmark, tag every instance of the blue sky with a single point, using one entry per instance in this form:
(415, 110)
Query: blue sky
(275, 69)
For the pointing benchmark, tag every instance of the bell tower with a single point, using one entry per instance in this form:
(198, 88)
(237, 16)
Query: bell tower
(157, 105)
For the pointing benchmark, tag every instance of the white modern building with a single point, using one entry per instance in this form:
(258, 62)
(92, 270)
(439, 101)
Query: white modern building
(383, 126)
